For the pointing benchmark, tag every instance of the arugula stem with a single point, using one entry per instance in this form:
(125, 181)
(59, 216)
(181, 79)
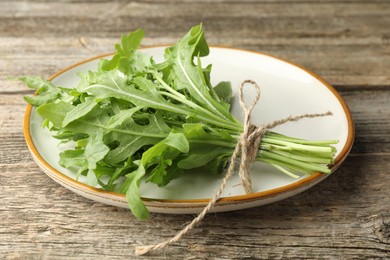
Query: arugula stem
(304, 165)
(285, 165)
(181, 98)
(297, 146)
(167, 87)
(285, 171)
(208, 117)
(193, 86)
(303, 157)
(127, 131)
(278, 136)
(212, 142)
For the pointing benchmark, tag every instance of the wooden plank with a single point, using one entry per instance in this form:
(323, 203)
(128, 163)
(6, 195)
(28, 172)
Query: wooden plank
(191, 8)
(370, 111)
(250, 20)
(362, 64)
(351, 48)
(327, 221)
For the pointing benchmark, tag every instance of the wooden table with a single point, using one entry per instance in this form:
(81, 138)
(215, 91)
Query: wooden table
(345, 42)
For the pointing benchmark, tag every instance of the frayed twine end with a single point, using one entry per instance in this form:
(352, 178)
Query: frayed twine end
(142, 250)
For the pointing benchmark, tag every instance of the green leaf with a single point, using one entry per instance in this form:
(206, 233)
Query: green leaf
(186, 75)
(63, 134)
(119, 172)
(41, 99)
(97, 119)
(46, 92)
(37, 83)
(218, 164)
(132, 136)
(79, 111)
(139, 64)
(224, 91)
(107, 65)
(103, 170)
(194, 130)
(200, 155)
(55, 112)
(133, 194)
(177, 141)
(159, 173)
(113, 85)
(129, 145)
(72, 158)
(91, 178)
(122, 116)
(95, 150)
(130, 42)
(125, 51)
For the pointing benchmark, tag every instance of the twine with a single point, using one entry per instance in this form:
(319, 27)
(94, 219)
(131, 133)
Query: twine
(247, 146)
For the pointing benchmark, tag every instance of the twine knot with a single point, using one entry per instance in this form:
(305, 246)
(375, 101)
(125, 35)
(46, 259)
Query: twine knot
(247, 147)
(249, 139)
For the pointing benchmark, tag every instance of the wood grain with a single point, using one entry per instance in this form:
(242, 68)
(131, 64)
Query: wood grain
(346, 216)
(345, 42)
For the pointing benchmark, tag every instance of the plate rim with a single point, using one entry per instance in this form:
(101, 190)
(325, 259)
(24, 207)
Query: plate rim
(60, 177)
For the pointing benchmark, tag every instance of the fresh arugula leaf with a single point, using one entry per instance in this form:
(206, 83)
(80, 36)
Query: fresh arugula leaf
(224, 91)
(55, 112)
(73, 158)
(122, 116)
(79, 111)
(187, 75)
(157, 156)
(124, 52)
(95, 150)
(201, 155)
(46, 92)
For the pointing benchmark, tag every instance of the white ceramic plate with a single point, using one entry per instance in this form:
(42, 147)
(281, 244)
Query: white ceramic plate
(286, 89)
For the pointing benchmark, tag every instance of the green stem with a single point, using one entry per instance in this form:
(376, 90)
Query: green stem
(285, 171)
(303, 157)
(297, 146)
(233, 125)
(284, 164)
(212, 142)
(206, 115)
(278, 136)
(303, 165)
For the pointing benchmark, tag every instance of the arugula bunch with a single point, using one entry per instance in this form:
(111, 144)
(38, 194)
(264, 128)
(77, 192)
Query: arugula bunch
(134, 118)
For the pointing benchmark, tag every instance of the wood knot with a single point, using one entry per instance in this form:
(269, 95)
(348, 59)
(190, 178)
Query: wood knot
(381, 229)
(383, 232)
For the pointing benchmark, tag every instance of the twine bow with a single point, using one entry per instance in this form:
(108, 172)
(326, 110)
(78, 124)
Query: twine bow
(247, 146)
